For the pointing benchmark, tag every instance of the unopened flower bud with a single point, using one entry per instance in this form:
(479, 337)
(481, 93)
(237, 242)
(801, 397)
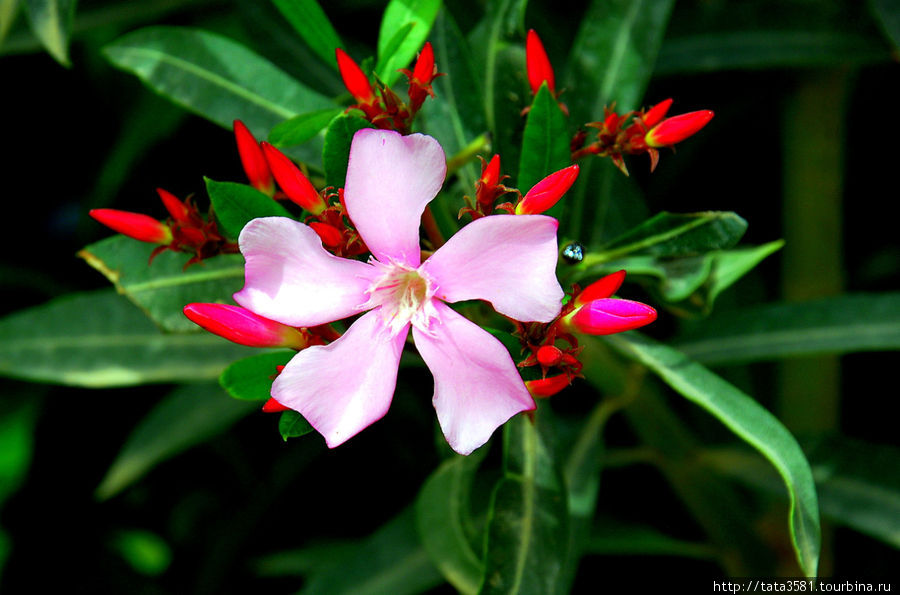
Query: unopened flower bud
(292, 181)
(547, 387)
(424, 71)
(549, 355)
(330, 235)
(134, 225)
(537, 63)
(244, 327)
(677, 128)
(601, 288)
(253, 160)
(547, 192)
(354, 78)
(608, 316)
(273, 406)
(656, 113)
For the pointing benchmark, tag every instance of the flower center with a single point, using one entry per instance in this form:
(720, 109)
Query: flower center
(404, 295)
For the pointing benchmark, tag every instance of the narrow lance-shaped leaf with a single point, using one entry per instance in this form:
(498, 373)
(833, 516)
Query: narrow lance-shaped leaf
(336, 153)
(545, 142)
(302, 128)
(100, 339)
(163, 288)
(749, 421)
(216, 78)
(528, 529)
(844, 324)
(311, 22)
(51, 22)
(188, 416)
(236, 205)
(397, 15)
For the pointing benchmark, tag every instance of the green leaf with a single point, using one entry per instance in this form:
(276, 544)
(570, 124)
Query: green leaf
(509, 98)
(390, 561)
(236, 205)
(311, 22)
(163, 288)
(146, 552)
(442, 517)
(337, 146)
(293, 425)
(611, 537)
(250, 379)
(8, 11)
(51, 23)
(767, 49)
(844, 324)
(528, 528)
(188, 416)
(613, 55)
(545, 142)
(399, 14)
(887, 14)
(17, 424)
(749, 421)
(99, 339)
(216, 78)
(302, 128)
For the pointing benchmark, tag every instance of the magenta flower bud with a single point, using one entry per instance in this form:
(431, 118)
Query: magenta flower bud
(677, 128)
(547, 192)
(609, 315)
(244, 327)
(134, 225)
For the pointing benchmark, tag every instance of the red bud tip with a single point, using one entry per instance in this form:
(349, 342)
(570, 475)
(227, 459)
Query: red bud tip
(253, 160)
(244, 327)
(608, 316)
(176, 207)
(424, 70)
(547, 192)
(292, 181)
(549, 355)
(490, 172)
(601, 288)
(134, 225)
(537, 63)
(330, 235)
(677, 128)
(547, 387)
(354, 78)
(656, 113)
(273, 406)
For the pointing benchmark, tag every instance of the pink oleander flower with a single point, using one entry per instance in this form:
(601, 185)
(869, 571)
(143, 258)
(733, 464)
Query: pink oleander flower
(343, 387)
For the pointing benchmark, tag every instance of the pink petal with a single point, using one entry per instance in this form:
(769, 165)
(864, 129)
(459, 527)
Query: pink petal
(390, 179)
(507, 260)
(290, 278)
(476, 384)
(345, 386)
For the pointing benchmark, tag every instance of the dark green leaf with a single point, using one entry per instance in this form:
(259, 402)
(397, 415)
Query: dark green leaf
(671, 234)
(613, 55)
(250, 379)
(528, 529)
(236, 205)
(300, 129)
(146, 552)
(51, 22)
(390, 561)
(188, 416)
(545, 142)
(8, 10)
(841, 324)
(17, 424)
(99, 339)
(292, 425)
(442, 516)
(162, 289)
(311, 22)
(216, 78)
(767, 49)
(887, 13)
(337, 146)
(614, 538)
(399, 14)
(749, 421)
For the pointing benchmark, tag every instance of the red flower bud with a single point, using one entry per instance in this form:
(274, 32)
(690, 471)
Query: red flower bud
(547, 387)
(424, 70)
(549, 355)
(656, 113)
(292, 181)
(177, 208)
(330, 235)
(601, 288)
(608, 316)
(134, 225)
(244, 327)
(253, 160)
(547, 192)
(537, 63)
(273, 406)
(490, 172)
(677, 128)
(354, 78)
